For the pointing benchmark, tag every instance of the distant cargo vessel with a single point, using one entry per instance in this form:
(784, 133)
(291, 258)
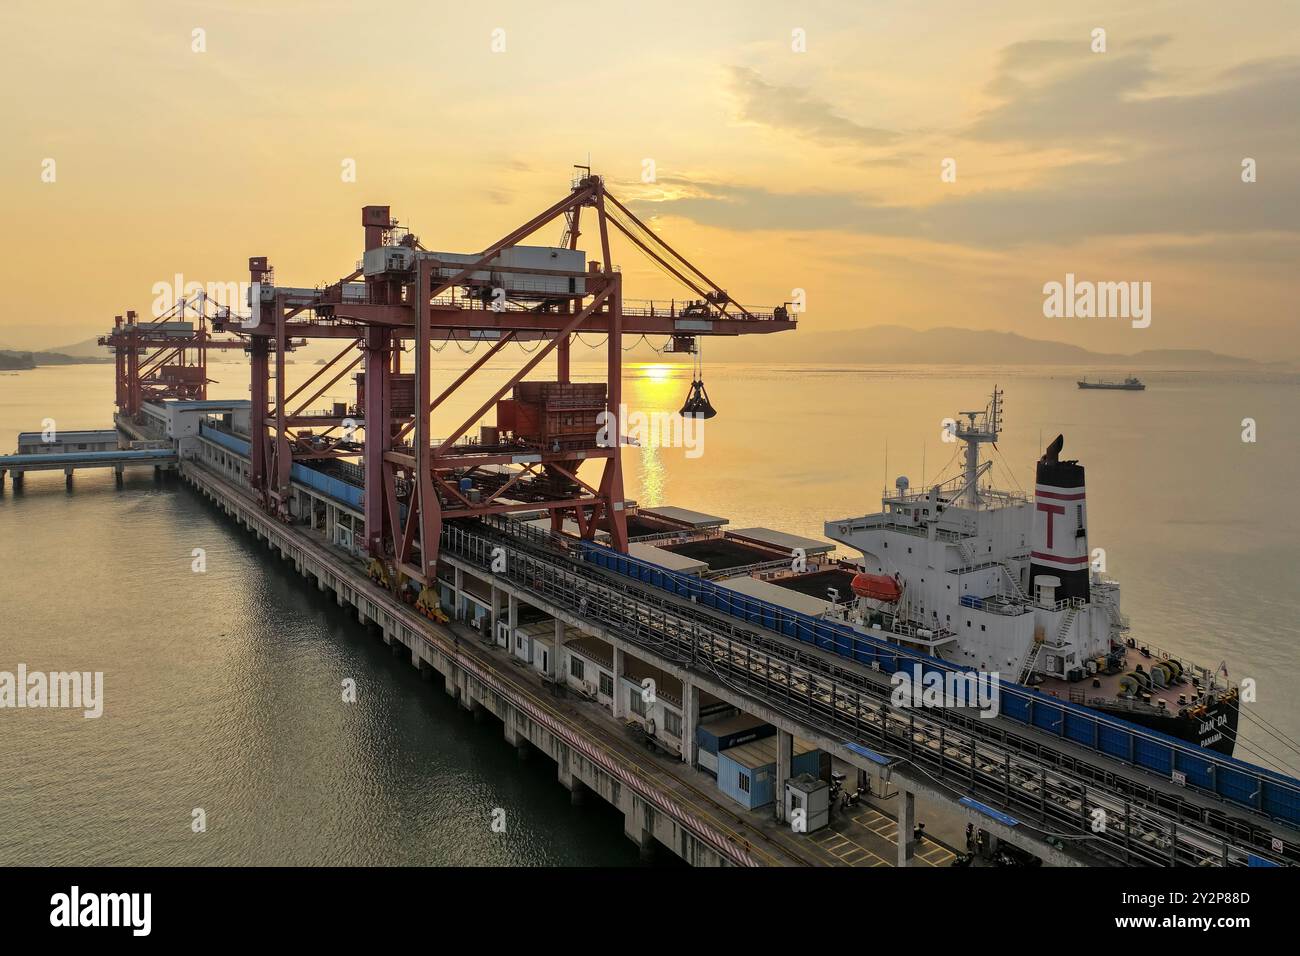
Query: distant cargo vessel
(1129, 384)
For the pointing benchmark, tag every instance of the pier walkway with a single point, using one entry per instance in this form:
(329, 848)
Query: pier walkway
(70, 462)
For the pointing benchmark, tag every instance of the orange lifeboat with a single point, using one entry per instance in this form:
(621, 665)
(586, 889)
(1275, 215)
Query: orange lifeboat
(877, 587)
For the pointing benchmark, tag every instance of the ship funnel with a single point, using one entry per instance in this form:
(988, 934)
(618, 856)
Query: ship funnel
(1060, 542)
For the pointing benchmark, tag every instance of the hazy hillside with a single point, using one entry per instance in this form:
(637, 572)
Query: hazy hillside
(11, 359)
(896, 345)
(88, 348)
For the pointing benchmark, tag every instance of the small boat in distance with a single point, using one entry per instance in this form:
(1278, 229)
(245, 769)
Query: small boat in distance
(1129, 384)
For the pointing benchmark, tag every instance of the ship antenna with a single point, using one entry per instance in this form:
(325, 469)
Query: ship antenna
(980, 426)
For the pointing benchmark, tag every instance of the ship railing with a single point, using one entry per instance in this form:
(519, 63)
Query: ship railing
(893, 625)
(1133, 705)
(885, 521)
(947, 492)
(902, 525)
(978, 566)
(1063, 604)
(949, 487)
(758, 567)
(663, 537)
(911, 629)
(1006, 606)
(1190, 669)
(1008, 497)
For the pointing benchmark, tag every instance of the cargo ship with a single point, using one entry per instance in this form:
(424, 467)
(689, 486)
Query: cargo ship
(986, 578)
(1001, 582)
(1129, 384)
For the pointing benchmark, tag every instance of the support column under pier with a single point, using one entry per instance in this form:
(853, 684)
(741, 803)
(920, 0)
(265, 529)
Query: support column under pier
(690, 720)
(906, 823)
(784, 759)
(496, 611)
(616, 705)
(634, 829)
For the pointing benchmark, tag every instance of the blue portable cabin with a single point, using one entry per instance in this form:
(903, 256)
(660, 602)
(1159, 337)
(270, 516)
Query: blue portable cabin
(747, 773)
(725, 733)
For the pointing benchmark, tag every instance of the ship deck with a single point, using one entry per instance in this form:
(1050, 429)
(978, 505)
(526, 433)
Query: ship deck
(721, 554)
(816, 583)
(1105, 688)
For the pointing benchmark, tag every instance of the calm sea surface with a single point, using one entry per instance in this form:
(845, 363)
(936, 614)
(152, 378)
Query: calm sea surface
(223, 688)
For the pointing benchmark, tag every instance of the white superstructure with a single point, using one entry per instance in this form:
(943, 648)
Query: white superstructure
(989, 578)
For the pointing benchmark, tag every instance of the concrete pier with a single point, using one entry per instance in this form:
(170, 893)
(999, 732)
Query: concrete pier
(664, 799)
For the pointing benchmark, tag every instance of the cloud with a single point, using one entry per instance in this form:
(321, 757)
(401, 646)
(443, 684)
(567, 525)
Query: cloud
(794, 110)
(1052, 94)
(1138, 163)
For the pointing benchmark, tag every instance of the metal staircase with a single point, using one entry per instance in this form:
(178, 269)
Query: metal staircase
(1030, 661)
(1066, 623)
(1016, 590)
(1061, 634)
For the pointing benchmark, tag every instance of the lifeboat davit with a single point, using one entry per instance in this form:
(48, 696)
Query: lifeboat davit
(877, 587)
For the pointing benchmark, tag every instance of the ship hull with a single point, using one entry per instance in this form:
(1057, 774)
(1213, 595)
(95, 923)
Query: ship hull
(1113, 388)
(1215, 730)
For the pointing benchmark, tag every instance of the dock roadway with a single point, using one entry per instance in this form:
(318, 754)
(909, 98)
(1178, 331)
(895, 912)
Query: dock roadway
(664, 802)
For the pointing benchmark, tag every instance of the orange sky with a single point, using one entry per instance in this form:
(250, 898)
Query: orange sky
(776, 169)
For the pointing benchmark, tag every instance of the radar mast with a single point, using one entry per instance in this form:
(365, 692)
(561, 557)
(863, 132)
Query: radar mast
(980, 427)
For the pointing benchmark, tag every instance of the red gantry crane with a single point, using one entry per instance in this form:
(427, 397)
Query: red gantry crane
(166, 357)
(508, 293)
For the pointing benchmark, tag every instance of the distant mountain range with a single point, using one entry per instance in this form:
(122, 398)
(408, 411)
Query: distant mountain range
(88, 348)
(874, 345)
(897, 345)
(11, 359)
